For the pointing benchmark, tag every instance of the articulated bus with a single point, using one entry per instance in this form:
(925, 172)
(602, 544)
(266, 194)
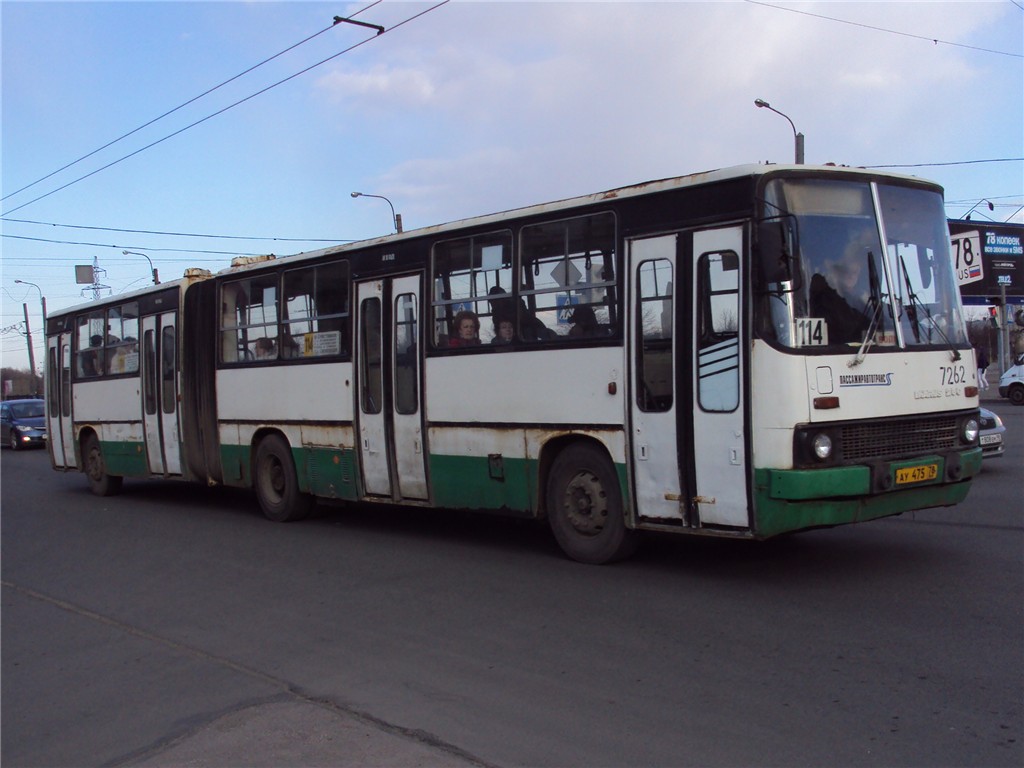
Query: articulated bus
(743, 353)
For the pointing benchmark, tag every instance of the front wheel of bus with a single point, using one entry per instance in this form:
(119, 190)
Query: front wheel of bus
(277, 485)
(584, 505)
(100, 483)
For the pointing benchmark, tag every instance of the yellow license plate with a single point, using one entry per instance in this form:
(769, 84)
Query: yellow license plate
(917, 474)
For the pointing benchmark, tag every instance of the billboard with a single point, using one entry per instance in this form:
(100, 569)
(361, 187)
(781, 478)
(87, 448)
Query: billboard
(989, 259)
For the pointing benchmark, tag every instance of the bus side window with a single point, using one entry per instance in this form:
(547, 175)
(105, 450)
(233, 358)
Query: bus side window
(315, 321)
(466, 272)
(564, 264)
(89, 345)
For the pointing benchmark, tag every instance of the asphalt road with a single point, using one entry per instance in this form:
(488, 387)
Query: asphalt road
(173, 626)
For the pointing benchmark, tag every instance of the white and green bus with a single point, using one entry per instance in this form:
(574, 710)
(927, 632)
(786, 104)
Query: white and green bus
(742, 353)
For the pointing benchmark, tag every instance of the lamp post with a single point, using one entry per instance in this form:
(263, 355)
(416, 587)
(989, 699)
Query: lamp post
(156, 276)
(396, 216)
(991, 207)
(798, 138)
(28, 329)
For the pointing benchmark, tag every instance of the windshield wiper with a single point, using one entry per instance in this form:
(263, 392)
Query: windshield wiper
(875, 302)
(916, 309)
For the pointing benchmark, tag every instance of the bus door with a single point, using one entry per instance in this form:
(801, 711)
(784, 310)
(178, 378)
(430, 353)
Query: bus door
(59, 425)
(651, 325)
(718, 422)
(160, 393)
(391, 442)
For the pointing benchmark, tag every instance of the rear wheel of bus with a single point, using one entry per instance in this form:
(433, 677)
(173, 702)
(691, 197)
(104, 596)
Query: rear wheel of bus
(584, 506)
(100, 483)
(277, 484)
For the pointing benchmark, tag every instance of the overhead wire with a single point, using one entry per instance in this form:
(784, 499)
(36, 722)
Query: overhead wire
(230, 106)
(173, 234)
(182, 105)
(932, 40)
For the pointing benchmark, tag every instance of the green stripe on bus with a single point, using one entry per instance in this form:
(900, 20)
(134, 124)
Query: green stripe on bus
(323, 471)
(482, 482)
(125, 458)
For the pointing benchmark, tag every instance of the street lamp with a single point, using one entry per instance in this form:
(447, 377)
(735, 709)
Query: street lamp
(967, 216)
(798, 138)
(396, 216)
(156, 277)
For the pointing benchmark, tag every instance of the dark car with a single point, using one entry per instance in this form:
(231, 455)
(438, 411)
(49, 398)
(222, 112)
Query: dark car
(992, 431)
(23, 423)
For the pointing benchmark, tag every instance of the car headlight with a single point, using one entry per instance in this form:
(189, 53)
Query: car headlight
(970, 430)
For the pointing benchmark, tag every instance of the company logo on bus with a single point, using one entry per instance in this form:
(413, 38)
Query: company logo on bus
(866, 380)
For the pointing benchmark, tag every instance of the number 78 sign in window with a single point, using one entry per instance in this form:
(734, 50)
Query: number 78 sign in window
(966, 247)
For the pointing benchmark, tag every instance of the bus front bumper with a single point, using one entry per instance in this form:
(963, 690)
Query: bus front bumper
(794, 499)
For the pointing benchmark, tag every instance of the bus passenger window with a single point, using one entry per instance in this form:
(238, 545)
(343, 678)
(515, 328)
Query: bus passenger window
(249, 310)
(316, 314)
(467, 273)
(89, 345)
(567, 264)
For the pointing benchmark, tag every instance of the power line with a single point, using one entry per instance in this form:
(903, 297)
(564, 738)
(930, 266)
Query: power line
(933, 40)
(175, 234)
(230, 106)
(953, 162)
(180, 106)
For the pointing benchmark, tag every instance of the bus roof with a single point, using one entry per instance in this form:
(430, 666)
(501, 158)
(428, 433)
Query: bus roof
(634, 190)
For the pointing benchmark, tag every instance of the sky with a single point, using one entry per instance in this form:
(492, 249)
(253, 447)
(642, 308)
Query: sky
(456, 110)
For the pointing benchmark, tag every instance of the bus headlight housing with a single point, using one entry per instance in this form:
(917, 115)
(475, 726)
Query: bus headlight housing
(822, 446)
(816, 446)
(970, 430)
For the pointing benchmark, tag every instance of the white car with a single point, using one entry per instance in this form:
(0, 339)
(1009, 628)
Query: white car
(1011, 383)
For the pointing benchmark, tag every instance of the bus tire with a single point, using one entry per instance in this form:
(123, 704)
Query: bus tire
(277, 485)
(584, 507)
(100, 483)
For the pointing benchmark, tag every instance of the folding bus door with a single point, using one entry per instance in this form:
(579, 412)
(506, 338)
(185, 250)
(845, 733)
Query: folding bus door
(390, 404)
(59, 425)
(160, 416)
(717, 368)
(655, 405)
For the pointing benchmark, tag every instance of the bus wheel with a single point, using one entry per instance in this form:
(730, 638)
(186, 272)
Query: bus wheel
(100, 483)
(277, 486)
(584, 505)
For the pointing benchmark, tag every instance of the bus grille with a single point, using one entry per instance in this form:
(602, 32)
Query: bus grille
(896, 438)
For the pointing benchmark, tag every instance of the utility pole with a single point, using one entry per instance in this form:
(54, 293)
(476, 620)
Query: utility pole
(31, 354)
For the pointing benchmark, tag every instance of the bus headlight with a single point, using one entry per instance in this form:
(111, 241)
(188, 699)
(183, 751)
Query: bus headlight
(970, 433)
(822, 446)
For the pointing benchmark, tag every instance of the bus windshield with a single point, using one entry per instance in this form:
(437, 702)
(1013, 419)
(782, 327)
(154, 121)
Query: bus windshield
(828, 281)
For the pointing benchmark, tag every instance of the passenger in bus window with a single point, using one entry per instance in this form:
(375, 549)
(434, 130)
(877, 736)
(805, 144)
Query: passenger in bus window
(504, 331)
(584, 323)
(467, 330)
(265, 349)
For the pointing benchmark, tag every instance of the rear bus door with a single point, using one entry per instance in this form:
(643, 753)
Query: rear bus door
(59, 426)
(389, 394)
(160, 416)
